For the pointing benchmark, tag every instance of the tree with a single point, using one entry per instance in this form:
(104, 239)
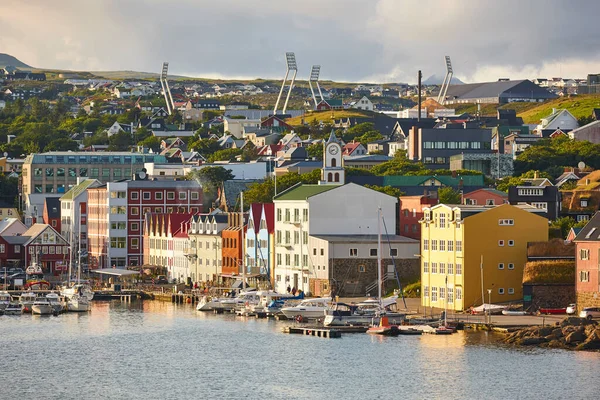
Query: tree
(211, 179)
(151, 142)
(315, 151)
(62, 144)
(369, 137)
(449, 195)
(564, 224)
(224, 155)
(249, 152)
(504, 183)
(392, 191)
(120, 141)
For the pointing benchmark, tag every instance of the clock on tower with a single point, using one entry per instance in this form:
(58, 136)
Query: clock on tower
(333, 162)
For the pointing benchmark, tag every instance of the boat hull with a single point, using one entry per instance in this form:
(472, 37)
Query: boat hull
(12, 310)
(312, 314)
(345, 320)
(553, 311)
(42, 309)
(390, 330)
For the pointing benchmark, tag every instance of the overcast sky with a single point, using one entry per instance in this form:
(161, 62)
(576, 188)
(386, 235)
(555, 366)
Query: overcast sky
(362, 40)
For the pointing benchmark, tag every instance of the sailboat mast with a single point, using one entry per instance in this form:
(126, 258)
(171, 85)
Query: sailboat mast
(243, 243)
(79, 248)
(71, 251)
(379, 257)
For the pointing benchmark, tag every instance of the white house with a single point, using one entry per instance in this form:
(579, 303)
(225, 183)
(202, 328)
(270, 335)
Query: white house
(205, 250)
(362, 104)
(559, 120)
(74, 208)
(234, 126)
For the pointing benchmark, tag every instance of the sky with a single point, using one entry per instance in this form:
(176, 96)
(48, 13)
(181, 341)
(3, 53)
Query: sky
(375, 41)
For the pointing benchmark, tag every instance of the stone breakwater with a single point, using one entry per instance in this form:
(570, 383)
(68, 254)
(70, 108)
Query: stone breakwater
(572, 333)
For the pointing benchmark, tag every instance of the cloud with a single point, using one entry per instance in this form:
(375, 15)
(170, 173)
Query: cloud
(373, 41)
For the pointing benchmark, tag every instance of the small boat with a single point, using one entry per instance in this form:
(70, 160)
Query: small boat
(56, 302)
(384, 328)
(41, 306)
(27, 299)
(514, 312)
(5, 300)
(308, 308)
(444, 330)
(488, 308)
(409, 331)
(81, 289)
(14, 309)
(553, 310)
(78, 303)
(341, 314)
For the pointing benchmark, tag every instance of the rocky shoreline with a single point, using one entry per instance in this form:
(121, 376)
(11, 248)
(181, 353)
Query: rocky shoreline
(572, 333)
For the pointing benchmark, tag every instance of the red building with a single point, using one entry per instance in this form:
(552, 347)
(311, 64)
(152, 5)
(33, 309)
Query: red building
(276, 123)
(411, 211)
(46, 247)
(587, 285)
(231, 242)
(116, 216)
(485, 197)
(51, 215)
(12, 253)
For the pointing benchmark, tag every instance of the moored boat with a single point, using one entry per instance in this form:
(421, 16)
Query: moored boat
(5, 300)
(78, 303)
(56, 302)
(384, 328)
(13, 309)
(308, 308)
(27, 299)
(42, 306)
(513, 312)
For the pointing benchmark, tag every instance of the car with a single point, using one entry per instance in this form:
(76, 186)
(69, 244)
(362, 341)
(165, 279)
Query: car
(161, 279)
(572, 309)
(590, 312)
(12, 271)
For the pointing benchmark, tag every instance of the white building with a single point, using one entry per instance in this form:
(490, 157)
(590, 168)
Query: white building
(73, 213)
(234, 126)
(205, 250)
(363, 104)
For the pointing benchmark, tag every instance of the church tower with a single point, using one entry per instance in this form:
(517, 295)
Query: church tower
(333, 172)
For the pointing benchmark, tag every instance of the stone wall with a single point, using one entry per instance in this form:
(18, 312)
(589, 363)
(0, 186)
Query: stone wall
(548, 295)
(587, 299)
(352, 276)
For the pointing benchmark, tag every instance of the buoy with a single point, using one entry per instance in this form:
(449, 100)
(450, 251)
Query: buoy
(188, 300)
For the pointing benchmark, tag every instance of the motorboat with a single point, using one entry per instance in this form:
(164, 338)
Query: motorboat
(42, 306)
(81, 289)
(13, 309)
(244, 298)
(226, 303)
(384, 328)
(27, 299)
(56, 302)
(5, 300)
(207, 303)
(342, 314)
(488, 308)
(549, 311)
(514, 312)
(268, 299)
(308, 308)
(78, 303)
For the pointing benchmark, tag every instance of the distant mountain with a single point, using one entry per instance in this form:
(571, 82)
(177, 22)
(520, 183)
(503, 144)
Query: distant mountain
(437, 80)
(7, 59)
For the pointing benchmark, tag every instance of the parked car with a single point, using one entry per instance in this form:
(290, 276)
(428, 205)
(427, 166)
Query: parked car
(161, 279)
(590, 312)
(15, 271)
(572, 309)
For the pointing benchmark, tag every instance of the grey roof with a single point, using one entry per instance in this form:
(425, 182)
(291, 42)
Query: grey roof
(365, 238)
(163, 184)
(591, 231)
(53, 207)
(16, 239)
(524, 88)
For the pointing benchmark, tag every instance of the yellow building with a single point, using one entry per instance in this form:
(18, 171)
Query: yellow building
(455, 239)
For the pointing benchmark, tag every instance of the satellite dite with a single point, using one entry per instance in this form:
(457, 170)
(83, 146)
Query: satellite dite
(165, 88)
(444, 89)
(290, 60)
(314, 77)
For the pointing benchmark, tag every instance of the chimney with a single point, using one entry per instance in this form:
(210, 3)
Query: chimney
(535, 175)
(419, 76)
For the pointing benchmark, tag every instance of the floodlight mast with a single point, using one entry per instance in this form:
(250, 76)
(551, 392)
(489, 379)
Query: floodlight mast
(444, 89)
(314, 77)
(166, 90)
(291, 65)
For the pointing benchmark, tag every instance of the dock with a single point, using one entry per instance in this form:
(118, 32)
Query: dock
(318, 332)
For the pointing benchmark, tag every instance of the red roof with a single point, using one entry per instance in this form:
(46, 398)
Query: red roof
(269, 210)
(349, 148)
(274, 149)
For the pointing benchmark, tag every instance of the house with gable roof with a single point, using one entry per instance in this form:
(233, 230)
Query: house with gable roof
(260, 242)
(46, 247)
(205, 247)
(74, 212)
(560, 122)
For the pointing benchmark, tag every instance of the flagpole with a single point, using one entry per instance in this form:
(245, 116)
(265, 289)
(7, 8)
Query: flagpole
(482, 295)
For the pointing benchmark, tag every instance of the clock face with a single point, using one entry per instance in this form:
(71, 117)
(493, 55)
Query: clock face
(333, 150)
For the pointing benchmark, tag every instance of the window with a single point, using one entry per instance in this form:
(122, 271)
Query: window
(434, 268)
(118, 225)
(583, 218)
(393, 252)
(458, 269)
(426, 266)
(540, 205)
(511, 242)
(442, 221)
(531, 192)
(361, 268)
(584, 276)
(511, 266)
(146, 195)
(584, 254)
(458, 293)
(459, 245)
(118, 195)
(425, 244)
(2, 248)
(500, 265)
(182, 196)
(450, 245)
(442, 268)
(170, 195)
(279, 215)
(305, 214)
(433, 293)
(135, 243)
(353, 252)
(322, 252)
(135, 226)
(500, 290)
(373, 252)
(506, 222)
(511, 290)
(135, 211)
(489, 202)
(450, 295)
(500, 243)
(442, 245)
(158, 196)
(425, 291)
(434, 245)
(442, 293)
(450, 269)
(135, 195)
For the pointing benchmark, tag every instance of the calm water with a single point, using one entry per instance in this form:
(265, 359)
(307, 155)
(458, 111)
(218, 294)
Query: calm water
(166, 351)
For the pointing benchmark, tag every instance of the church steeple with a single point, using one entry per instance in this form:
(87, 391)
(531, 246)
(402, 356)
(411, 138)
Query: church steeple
(333, 172)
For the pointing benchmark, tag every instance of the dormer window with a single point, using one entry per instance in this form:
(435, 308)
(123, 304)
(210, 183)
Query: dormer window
(584, 202)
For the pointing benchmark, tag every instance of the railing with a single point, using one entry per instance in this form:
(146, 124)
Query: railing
(386, 277)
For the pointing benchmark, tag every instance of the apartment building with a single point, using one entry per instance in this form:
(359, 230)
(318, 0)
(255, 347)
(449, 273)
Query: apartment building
(73, 205)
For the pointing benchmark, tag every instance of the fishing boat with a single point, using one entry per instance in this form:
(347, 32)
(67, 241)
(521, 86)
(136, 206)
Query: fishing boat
(5, 300)
(13, 309)
(444, 330)
(42, 306)
(27, 299)
(56, 302)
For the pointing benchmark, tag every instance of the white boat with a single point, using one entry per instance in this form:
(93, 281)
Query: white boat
(513, 312)
(485, 308)
(27, 299)
(42, 306)
(78, 303)
(365, 313)
(5, 300)
(208, 303)
(56, 302)
(308, 308)
(14, 309)
(248, 296)
(269, 298)
(81, 289)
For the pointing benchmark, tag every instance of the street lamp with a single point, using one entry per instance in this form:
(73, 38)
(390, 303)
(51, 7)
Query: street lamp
(489, 306)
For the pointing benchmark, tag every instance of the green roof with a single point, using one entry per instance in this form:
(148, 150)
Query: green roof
(447, 180)
(77, 190)
(303, 192)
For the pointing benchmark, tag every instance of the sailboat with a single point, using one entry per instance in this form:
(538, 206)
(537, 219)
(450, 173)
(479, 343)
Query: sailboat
(78, 295)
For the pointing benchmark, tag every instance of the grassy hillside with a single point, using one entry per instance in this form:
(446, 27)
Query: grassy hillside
(7, 59)
(327, 116)
(579, 106)
(490, 109)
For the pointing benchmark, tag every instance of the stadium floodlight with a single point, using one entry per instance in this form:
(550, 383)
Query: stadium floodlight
(314, 77)
(444, 88)
(290, 60)
(165, 88)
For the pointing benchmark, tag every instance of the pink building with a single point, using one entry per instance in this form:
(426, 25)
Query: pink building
(411, 211)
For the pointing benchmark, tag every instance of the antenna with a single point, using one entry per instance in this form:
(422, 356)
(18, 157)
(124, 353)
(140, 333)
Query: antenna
(290, 60)
(444, 89)
(165, 88)
(314, 77)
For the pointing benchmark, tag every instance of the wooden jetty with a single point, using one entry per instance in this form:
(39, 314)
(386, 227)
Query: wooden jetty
(318, 332)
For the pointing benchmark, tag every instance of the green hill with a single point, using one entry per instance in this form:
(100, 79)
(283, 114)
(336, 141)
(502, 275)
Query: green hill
(7, 59)
(579, 106)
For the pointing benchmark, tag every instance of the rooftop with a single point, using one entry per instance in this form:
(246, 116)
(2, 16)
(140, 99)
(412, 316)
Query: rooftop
(303, 192)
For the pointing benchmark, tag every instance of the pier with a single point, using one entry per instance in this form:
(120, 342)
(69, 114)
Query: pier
(318, 332)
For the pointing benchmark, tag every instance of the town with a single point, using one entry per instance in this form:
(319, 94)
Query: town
(487, 192)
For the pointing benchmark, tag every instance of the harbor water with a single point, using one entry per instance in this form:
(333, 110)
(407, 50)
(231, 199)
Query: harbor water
(156, 350)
